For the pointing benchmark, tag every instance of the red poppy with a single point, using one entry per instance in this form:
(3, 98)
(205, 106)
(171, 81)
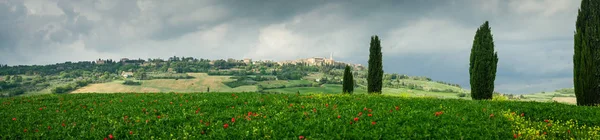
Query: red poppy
(365, 108)
(249, 113)
(544, 133)
(196, 111)
(355, 119)
(439, 113)
(370, 110)
(326, 105)
(41, 109)
(14, 119)
(339, 116)
(110, 136)
(130, 132)
(549, 124)
(105, 138)
(171, 102)
(522, 114)
(49, 128)
(232, 120)
(515, 136)
(370, 115)
(25, 130)
(491, 115)
(158, 117)
(390, 110)
(63, 124)
(202, 132)
(359, 113)
(569, 131)
(315, 110)
(545, 120)
(291, 105)
(301, 137)
(372, 123)
(225, 126)
(397, 107)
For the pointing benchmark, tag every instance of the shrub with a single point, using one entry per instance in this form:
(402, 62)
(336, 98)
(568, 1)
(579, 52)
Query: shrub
(462, 95)
(131, 83)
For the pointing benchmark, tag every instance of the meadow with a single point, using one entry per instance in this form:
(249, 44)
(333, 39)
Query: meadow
(287, 116)
(200, 83)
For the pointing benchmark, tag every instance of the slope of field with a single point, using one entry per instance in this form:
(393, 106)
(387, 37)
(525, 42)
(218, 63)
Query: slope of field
(566, 95)
(287, 116)
(336, 89)
(199, 83)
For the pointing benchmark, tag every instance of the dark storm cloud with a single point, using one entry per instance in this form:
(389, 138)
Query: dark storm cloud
(419, 37)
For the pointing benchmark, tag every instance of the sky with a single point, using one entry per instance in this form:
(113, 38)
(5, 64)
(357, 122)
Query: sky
(433, 38)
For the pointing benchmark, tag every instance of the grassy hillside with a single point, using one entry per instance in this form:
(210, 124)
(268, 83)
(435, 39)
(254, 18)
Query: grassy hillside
(199, 83)
(287, 116)
(561, 95)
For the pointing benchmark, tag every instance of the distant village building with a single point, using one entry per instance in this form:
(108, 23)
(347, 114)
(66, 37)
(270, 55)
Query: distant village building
(124, 59)
(100, 61)
(247, 61)
(126, 74)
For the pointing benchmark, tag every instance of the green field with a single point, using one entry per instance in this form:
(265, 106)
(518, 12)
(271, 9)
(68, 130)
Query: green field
(335, 89)
(287, 116)
(199, 83)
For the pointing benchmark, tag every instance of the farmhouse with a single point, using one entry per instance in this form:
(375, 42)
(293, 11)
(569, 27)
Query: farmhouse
(126, 74)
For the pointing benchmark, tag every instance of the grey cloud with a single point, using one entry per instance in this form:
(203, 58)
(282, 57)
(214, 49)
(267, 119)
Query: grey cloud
(425, 37)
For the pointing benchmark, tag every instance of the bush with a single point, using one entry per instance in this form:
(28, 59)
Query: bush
(462, 95)
(62, 89)
(16, 92)
(132, 83)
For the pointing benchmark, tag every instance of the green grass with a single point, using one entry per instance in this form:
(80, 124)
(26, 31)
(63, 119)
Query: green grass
(286, 116)
(326, 88)
(547, 96)
(336, 89)
(199, 83)
(431, 85)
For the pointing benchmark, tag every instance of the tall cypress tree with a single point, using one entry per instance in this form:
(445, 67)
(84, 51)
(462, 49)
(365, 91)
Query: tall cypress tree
(375, 75)
(348, 85)
(587, 52)
(482, 66)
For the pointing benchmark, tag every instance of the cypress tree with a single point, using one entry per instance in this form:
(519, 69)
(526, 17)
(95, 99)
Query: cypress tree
(483, 62)
(348, 85)
(586, 54)
(375, 73)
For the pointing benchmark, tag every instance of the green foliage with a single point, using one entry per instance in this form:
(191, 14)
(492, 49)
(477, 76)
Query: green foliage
(168, 75)
(241, 81)
(132, 83)
(587, 51)
(462, 95)
(63, 89)
(265, 116)
(348, 85)
(375, 73)
(483, 62)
